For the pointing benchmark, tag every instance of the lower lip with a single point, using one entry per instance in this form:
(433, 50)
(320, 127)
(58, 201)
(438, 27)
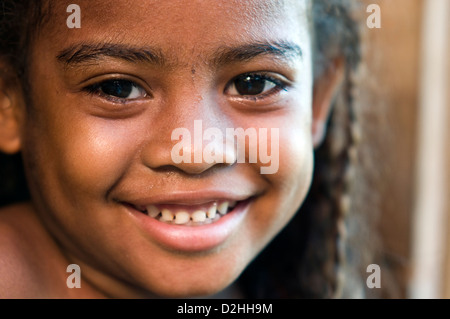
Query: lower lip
(193, 238)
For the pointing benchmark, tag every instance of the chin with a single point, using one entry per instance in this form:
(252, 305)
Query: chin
(199, 285)
(195, 290)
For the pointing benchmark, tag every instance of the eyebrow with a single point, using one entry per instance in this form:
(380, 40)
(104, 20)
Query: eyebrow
(85, 53)
(243, 53)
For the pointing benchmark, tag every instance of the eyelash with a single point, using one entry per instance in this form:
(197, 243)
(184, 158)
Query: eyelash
(279, 85)
(96, 89)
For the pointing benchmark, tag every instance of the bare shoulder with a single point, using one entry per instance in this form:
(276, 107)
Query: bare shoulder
(24, 254)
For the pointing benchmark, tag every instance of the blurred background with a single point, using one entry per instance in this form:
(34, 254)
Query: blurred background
(404, 87)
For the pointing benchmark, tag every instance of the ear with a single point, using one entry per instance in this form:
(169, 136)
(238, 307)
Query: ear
(325, 89)
(9, 116)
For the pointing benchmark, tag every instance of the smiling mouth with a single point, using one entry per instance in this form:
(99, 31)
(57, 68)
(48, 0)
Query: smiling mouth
(189, 215)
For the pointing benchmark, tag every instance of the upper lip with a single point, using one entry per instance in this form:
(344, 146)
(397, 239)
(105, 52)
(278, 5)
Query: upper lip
(197, 197)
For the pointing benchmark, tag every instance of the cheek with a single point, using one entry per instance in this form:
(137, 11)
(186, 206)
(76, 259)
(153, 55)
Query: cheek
(294, 146)
(96, 155)
(290, 183)
(296, 165)
(76, 154)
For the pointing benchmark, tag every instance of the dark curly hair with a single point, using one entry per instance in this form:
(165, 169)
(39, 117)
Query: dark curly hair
(306, 259)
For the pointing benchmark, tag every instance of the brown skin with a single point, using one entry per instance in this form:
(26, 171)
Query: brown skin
(84, 153)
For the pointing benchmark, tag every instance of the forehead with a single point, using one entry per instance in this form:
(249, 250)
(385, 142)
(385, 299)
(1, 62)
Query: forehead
(179, 25)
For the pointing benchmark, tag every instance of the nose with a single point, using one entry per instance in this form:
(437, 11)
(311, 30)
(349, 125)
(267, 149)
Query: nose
(190, 137)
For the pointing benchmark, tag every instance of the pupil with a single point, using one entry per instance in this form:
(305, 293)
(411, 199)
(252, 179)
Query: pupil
(117, 88)
(250, 85)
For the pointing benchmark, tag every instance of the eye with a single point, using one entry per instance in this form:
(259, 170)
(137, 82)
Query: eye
(118, 89)
(253, 84)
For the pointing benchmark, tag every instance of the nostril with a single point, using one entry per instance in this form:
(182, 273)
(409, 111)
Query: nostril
(176, 169)
(192, 169)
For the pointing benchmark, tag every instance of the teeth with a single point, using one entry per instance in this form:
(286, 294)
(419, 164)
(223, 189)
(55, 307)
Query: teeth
(223, 208)
(166, 215)
(152, 211)
(199, 216)
(182, 218)
(211, 213)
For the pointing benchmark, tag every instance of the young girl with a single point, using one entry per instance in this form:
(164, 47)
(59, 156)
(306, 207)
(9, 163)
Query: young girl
(92, 108)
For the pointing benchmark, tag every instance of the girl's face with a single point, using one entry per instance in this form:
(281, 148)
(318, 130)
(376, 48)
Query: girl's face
(98, 147)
